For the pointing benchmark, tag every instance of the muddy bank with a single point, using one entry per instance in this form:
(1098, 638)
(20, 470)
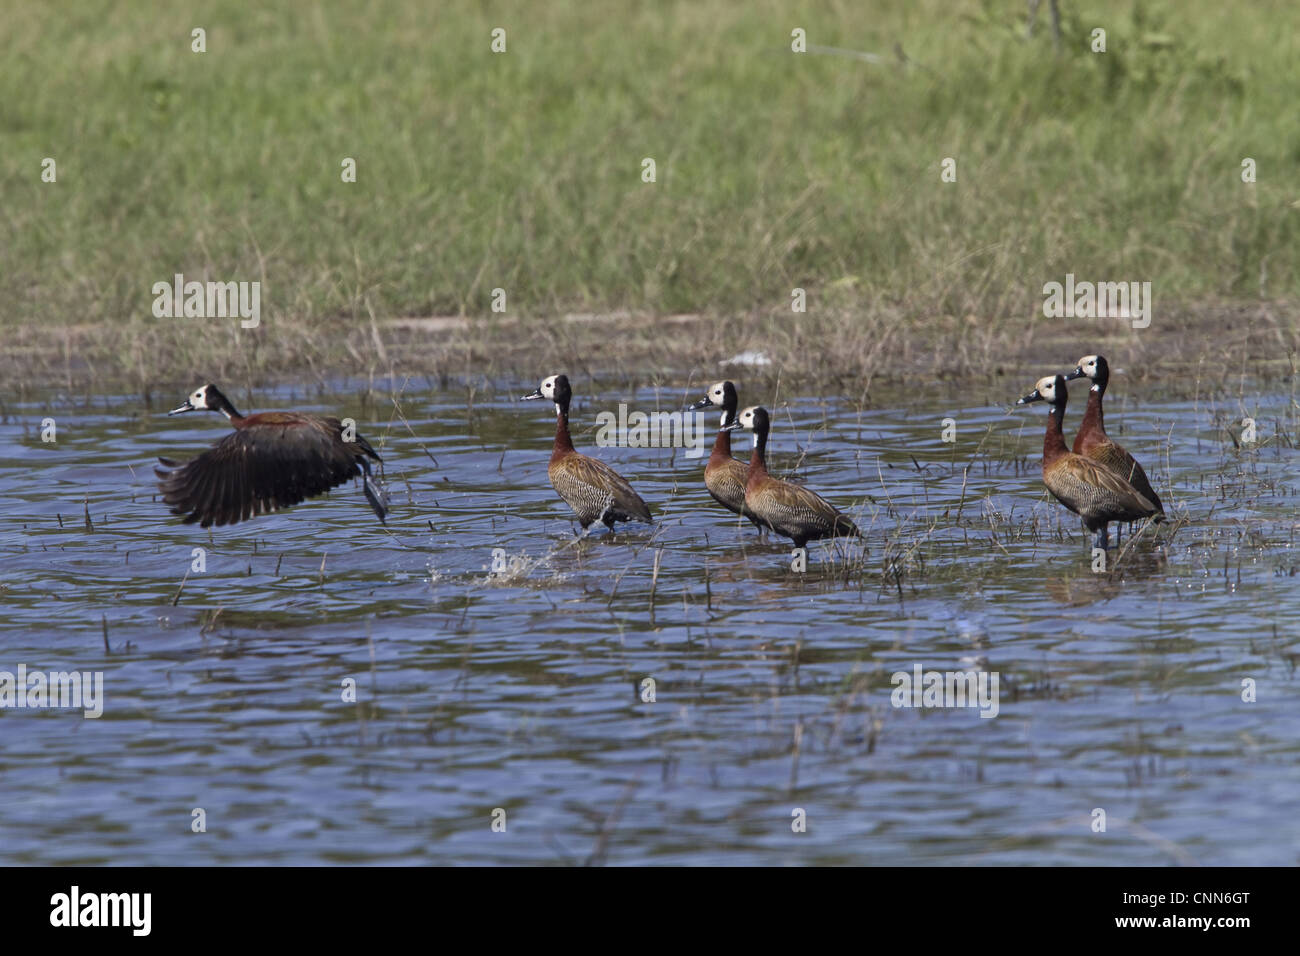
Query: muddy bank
(847, 350)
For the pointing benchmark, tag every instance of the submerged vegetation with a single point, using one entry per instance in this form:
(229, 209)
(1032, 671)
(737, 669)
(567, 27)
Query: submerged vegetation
(522, 171)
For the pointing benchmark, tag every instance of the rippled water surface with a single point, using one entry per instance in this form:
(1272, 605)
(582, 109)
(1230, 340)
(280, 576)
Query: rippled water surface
(522, 689)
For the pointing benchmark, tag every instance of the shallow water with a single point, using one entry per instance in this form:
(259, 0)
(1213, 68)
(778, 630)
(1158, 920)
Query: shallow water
(522, 690)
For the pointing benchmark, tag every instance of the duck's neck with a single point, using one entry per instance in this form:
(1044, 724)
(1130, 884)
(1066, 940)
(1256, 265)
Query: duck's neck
(563, 443)
(1092, 415)
(721, 447)
(1054, 437)
(722, 444)
(758, 459)
(226, 407)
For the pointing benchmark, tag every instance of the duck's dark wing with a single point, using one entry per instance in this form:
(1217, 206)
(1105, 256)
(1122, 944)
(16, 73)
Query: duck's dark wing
(1118, 460)
(789, 508)
(1094, 492)
(273, 464)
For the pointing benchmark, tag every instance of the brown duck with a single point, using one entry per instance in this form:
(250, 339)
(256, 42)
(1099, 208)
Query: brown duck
(270, 461)
(1091, 440)
(595, 491)
(788, 509)
(724, 476)
(1088, 488)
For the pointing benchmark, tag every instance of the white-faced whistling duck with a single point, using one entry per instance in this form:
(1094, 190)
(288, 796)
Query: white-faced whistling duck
(725, 477)
(1088, 488)
(1091, 440)
(595, 491)
(788, 509)
(270, 461)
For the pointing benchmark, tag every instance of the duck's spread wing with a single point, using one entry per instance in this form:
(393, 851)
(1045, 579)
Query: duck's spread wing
(257, 470)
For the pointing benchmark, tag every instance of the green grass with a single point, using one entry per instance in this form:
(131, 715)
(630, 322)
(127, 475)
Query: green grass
(522, 170)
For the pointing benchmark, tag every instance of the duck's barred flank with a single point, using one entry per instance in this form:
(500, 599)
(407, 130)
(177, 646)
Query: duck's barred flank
(725, 483)
(595, 491)
(797, 513)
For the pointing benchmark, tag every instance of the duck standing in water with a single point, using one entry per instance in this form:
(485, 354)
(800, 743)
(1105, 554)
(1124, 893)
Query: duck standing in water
(724, 476)
(595, 491)
(1088, 488)
(788, 509)
(1091, 440)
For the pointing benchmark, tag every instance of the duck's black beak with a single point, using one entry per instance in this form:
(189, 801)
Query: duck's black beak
(702, 403)
(531, 396)
(730, 426)
(1033, 396)
(187, 407)
(1077, 373)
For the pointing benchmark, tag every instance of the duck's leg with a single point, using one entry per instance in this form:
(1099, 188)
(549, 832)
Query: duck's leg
(1101, 539)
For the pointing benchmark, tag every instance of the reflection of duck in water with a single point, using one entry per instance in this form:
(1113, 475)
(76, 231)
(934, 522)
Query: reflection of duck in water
(1072, 589)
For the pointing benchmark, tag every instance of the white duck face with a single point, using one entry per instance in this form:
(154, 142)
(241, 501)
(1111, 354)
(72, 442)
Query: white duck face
(1048, 389)
(556, 388)
(1093, 368)
(753, 419)
(203, 398)
(719, 395)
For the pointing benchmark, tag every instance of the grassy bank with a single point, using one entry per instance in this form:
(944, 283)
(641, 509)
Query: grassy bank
(523, 171)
